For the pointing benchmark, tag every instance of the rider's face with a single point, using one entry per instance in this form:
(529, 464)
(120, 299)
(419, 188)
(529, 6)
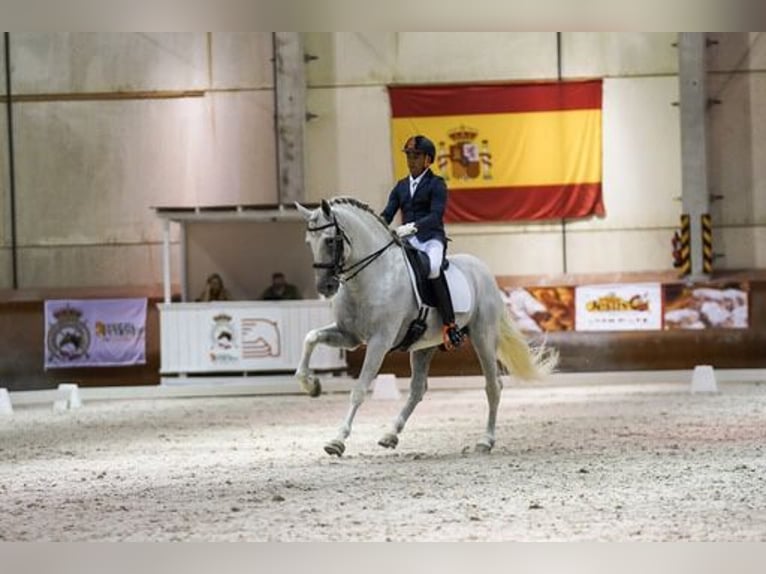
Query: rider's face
(417, 161)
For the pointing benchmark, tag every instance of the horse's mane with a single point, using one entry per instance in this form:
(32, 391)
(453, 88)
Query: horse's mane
(353, 202)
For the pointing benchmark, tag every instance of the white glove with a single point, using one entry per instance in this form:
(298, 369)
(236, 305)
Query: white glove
(406, 230)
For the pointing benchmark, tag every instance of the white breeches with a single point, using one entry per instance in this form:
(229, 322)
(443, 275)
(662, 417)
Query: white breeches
(435, 251)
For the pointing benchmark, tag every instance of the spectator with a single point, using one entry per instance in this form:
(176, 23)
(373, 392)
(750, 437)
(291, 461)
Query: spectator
(214, 289)
(280, 289)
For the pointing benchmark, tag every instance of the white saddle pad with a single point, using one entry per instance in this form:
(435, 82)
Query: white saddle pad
(459, 289)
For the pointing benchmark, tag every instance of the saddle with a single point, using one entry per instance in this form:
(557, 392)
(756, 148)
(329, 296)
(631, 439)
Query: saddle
(459, 292)
(421, 267)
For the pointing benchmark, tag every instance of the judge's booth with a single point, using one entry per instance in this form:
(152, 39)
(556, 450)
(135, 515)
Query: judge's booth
(243, 338)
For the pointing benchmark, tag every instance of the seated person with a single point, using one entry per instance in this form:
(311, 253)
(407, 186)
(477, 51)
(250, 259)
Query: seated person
(214, 289)
(280, 289)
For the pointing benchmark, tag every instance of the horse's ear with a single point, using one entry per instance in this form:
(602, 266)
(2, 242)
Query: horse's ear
(304, 211)
(326, 208)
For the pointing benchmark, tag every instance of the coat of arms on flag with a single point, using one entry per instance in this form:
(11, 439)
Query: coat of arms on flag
(464, 156)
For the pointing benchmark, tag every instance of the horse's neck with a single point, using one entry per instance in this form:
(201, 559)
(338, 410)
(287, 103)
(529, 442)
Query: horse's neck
(365, 233)
(374, 284)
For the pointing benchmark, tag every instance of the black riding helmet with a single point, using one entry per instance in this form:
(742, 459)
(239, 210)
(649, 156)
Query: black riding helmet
(421, 144)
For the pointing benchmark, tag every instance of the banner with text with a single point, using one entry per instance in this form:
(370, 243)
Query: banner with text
(95, 332)
(623, 307)
(524, 151)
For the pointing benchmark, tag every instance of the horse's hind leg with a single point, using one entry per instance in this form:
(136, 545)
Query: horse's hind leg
(485, 343)
(419, 362)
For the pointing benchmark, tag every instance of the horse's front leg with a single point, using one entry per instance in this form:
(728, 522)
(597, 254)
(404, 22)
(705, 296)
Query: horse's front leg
(373, 359)
(419, 362)
(330, 335)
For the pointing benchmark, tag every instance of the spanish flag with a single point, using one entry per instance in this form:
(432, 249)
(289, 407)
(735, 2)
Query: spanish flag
(508, 152)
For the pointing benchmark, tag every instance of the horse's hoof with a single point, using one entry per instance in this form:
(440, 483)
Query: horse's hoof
(335, 447)
(389, 441)
(483, 447)
(316, 388)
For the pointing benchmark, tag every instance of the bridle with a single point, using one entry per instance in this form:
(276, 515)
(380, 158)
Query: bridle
(335, 245)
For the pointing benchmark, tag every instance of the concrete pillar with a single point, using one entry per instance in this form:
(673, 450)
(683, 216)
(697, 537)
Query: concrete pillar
(184, 263)
(166, 292)
(695, 196)
(290, 86)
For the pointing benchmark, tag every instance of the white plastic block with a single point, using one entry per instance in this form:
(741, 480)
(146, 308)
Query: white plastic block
(703, 380)
(6, 408)
(67, 397)
(385, 388)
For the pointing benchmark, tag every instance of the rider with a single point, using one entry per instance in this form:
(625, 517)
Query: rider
(422, 197)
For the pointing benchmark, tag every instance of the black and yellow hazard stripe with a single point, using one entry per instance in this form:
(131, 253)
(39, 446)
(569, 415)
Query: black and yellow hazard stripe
(685, 259)
(707, 243)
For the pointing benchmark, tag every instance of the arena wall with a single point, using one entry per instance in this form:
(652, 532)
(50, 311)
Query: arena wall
(108, 125)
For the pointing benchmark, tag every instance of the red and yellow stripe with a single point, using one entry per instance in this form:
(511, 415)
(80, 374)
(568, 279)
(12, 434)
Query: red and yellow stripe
(541, 144)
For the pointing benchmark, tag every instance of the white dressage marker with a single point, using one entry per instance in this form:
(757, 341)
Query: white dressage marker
(703, 380)
(5, 403)
(385, 388)
(67, 397)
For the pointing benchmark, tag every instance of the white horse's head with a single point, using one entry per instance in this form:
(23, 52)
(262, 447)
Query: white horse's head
(328, 245)
(345, 237)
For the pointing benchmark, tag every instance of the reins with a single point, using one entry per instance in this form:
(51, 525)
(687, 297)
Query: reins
(337, 240)
(362, 263)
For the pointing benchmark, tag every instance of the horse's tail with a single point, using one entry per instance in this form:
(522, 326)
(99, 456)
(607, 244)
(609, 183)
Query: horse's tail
(518, 357)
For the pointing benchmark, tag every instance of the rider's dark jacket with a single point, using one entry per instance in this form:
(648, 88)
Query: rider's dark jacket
(425, 208)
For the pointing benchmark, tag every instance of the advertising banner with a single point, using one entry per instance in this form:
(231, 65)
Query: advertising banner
(541, 309)
(706, 306)
(249, 336)
(238, 336)
(623, 307)
(95, 332)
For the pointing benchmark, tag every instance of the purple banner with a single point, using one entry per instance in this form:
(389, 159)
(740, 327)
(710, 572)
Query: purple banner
(95, 332)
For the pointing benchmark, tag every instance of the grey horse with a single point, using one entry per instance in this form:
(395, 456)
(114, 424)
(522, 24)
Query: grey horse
(360, 263)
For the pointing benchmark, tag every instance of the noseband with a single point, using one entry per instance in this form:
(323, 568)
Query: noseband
(335, 245)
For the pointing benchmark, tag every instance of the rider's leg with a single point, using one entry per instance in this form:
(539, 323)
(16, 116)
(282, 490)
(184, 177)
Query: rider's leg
(450, 332)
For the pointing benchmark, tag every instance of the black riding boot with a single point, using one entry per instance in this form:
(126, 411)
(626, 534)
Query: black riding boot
(450, 332)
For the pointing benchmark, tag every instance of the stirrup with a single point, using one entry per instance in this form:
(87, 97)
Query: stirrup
(452, 337)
